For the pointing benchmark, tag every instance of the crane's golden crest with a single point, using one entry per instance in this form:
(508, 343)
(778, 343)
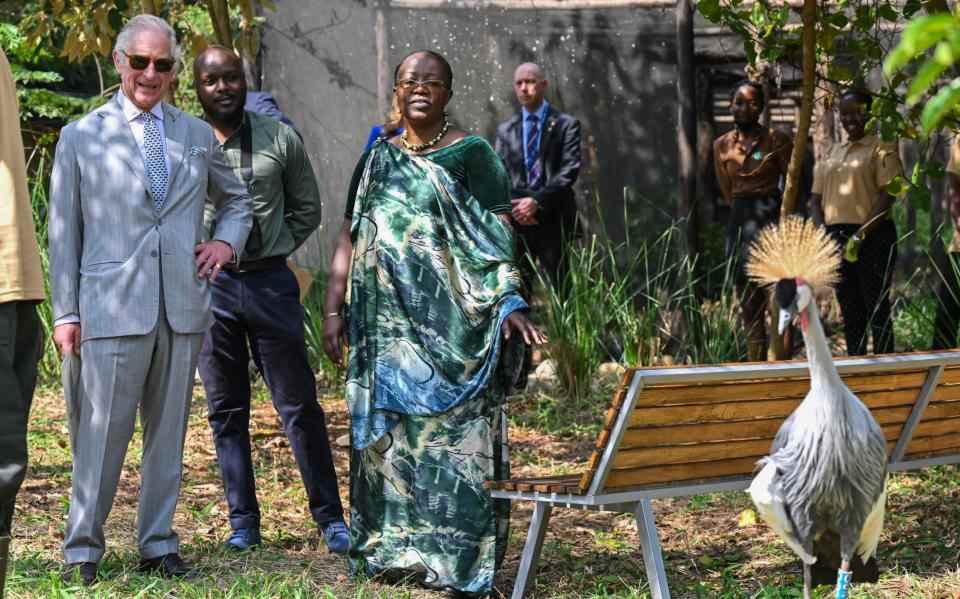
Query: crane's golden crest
(795, 247)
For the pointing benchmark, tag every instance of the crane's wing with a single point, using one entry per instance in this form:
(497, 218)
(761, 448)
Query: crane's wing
(872, 527)
(783, 433)
(767, 495)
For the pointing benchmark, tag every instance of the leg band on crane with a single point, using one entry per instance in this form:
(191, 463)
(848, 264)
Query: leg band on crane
(843, 583)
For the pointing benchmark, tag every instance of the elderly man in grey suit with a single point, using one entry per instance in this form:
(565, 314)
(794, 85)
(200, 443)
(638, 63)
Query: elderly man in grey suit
(129, 274)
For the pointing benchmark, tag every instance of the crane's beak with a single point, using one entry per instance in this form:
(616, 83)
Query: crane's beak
(785, 317)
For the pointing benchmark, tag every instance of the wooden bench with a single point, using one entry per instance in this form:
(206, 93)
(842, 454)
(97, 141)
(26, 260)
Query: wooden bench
(678, 431)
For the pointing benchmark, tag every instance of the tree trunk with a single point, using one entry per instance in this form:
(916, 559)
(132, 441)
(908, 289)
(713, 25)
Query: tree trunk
(249, 43)
(806, 108)
(687, 120)
(149, 7)
(220, 17)
(824, 133)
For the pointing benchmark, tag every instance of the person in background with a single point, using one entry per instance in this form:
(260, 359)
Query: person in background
(750, 161)
(21, 289)
(256, 308)
(849, 196)
(540, 147)
(392, 127)
(129, 277)
(264, 103)
(428, 366)
(948, 295)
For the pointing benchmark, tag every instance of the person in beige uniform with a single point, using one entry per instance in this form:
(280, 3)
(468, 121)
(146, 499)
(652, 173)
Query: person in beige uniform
(849, 196)
(948, 296)
(21, 289)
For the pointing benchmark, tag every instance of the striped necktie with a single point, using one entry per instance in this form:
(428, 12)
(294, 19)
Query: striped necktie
(154, 159)
(533, 157)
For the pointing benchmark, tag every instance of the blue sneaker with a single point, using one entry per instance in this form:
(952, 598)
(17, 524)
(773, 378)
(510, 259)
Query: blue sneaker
(243, 539)
(337, 536)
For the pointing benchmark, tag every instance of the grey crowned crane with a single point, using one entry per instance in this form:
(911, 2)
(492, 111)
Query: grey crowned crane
(826, 472)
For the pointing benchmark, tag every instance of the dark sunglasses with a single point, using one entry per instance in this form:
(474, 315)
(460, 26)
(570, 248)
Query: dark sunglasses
(140, 63)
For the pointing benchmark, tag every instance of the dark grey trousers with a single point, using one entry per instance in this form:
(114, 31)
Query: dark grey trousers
(21, 344)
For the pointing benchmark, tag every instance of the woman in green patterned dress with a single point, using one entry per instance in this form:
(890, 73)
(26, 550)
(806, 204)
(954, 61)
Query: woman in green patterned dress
(432, 326)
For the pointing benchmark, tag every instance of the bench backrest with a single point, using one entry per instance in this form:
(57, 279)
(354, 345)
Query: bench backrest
(703, 424)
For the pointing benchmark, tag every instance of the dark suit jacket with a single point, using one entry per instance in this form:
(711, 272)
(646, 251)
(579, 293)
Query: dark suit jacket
(560, 157)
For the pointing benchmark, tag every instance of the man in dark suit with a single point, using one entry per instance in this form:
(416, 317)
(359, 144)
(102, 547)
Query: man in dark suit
(540, 147)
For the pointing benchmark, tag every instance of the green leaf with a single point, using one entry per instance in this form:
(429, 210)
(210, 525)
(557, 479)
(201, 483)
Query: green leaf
(919, 198)
(935, 169)
(710, 9)
(911, 7)
(888, 12)
(925, 77)
(838, 19)
(919, 36)
(896, 186)
(941, 105)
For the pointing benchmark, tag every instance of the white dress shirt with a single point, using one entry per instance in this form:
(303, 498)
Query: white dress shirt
(132, 112)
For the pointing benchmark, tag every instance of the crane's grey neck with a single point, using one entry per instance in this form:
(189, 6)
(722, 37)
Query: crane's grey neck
(823, 372)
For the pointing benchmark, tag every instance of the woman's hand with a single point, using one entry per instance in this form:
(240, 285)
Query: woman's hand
(518, 323)
(333, 331)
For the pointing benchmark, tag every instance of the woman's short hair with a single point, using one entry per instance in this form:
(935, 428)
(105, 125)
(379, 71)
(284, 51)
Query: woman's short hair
(859, 96)
(142, 23)
(448, 72)
(756, 86)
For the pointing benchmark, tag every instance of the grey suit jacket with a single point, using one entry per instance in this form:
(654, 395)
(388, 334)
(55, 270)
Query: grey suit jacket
(111, 253)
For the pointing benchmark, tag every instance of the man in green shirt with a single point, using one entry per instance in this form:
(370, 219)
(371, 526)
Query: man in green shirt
(257, 310)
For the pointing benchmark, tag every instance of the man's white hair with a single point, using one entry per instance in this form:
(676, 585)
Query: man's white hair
(141, 23)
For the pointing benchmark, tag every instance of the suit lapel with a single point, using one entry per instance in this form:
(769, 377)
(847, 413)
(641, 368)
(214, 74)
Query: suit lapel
(516, 130)
(549, 124)
(175, 132)
(118, 129)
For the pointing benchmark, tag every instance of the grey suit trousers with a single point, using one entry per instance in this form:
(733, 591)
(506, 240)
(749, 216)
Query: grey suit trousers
(152, 372)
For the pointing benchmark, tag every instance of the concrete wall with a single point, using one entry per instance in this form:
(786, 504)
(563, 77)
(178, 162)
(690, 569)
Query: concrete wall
(614, 68)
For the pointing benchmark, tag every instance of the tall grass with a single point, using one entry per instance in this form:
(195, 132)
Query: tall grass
(638, 304)
(49, 367)
(329, 373)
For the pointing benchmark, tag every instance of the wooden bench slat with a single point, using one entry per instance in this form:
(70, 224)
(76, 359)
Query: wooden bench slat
(619, 479)
(934, 428)
(705, 452)
(922, 446)
(732, 431)
(773, 389)
(771, 408)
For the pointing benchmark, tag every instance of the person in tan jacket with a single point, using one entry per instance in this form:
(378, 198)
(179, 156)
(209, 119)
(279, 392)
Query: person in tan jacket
(21, 289)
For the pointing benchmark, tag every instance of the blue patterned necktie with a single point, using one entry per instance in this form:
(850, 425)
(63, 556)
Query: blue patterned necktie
(154, 158)
(533, 159)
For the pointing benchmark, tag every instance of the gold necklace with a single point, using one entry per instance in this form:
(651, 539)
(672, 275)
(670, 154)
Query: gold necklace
(425, 145)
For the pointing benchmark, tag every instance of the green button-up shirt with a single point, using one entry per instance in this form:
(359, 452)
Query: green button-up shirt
(286, 201)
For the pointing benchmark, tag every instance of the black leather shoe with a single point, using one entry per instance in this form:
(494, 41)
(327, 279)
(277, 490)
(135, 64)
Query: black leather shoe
(83, 572)
(167, 566)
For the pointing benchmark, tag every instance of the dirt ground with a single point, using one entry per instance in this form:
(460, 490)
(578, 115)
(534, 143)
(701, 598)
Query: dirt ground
(712, 547)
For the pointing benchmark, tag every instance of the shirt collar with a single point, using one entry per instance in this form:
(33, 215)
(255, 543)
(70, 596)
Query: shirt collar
(541, 112)
(236, 132)
(131, 111)
(866, 140)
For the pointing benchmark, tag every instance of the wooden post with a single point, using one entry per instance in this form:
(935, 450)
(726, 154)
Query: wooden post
(384, 81)
(687, 124)
(806, 108)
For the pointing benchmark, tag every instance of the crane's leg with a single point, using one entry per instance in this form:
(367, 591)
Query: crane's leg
(843, 579)
(808, 573)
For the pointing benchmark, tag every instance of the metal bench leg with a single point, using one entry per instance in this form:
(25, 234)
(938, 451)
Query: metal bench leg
(652, 554)
(531, 549)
